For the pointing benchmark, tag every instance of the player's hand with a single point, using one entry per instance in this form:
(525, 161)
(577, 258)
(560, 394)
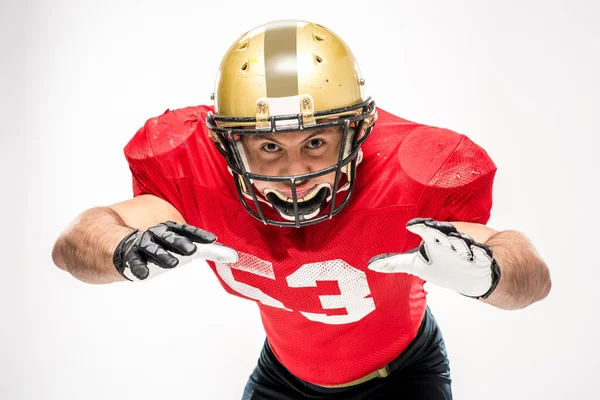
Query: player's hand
(445, 258)
(143, 255)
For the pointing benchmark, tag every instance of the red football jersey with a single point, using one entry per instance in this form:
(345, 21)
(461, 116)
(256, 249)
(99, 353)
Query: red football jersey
(328, 318)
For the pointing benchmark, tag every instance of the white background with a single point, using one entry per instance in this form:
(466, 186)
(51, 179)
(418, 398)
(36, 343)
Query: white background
(80, 77)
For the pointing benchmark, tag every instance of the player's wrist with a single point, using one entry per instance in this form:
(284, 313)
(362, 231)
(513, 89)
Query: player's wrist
(120, 250)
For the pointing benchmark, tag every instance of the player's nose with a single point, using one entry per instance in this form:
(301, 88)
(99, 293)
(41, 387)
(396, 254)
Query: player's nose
(294, 165)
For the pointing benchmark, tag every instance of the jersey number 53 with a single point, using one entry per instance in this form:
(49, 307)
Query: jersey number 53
(352, 282)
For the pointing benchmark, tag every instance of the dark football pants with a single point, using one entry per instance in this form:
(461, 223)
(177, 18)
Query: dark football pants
(421, 372)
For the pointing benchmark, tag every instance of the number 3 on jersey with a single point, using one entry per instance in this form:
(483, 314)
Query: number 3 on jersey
(352, 282)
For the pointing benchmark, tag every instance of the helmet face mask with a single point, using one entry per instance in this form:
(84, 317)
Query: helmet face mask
(245, 106)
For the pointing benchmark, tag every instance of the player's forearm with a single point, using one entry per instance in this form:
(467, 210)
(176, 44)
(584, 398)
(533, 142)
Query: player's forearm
(525, 276)
(86, 247)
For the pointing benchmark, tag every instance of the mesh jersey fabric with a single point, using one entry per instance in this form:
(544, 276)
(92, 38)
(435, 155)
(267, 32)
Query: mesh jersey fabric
(328, 318)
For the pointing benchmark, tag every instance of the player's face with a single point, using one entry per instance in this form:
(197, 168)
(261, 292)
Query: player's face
(293, 153)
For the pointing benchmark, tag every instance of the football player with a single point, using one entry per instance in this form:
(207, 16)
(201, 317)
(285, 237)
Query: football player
(330, 213)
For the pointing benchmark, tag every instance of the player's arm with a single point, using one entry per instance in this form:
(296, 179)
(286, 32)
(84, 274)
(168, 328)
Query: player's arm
(525, 278)
(86, 247)
(500, 268)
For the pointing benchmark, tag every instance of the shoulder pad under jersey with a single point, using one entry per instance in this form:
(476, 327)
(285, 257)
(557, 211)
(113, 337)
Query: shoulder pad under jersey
(440, 157)
(162, 134)
(458, 174)
(172, 145)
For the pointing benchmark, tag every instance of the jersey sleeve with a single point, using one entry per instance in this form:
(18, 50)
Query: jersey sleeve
(461, 190)
(158, 154)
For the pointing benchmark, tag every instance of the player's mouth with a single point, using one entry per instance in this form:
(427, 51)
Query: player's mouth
(299, 192)
(310, 201)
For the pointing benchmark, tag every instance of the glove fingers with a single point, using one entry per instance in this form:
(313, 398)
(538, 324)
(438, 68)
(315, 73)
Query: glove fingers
(216, 252)
(152, 252)
(485, 248)
(429, 233)
(444, 227)
(172, 241)
(459, 246)
(137, 268)
(482, 252)
(191, 232)
(394, 263)
(466, 238)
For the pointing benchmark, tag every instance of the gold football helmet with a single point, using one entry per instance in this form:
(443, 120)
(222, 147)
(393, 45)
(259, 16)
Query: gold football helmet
(288, 76)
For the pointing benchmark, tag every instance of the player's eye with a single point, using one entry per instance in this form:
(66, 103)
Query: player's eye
(315, 143)
(270, 147)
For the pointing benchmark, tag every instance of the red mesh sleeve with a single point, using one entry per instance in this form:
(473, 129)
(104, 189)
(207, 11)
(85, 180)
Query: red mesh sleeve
(462, 189)
(150, 174)
(173, 152)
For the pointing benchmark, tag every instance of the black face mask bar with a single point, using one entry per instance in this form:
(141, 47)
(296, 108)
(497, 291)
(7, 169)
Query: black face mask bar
(227, 147)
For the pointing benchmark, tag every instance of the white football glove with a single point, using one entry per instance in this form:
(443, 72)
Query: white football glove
(445, 258)
(143, 255)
